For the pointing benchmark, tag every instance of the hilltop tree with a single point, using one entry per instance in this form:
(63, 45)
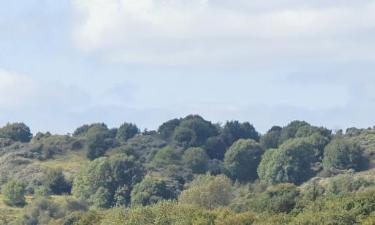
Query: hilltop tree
(166, 129)
(290, 163)
(242, 159)
(271, 138)
(99, 139)
(127, 131)
(234, 130)
(342, 154)
(16, 132)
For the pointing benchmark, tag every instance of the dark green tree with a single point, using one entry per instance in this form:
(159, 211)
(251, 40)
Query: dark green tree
(166, 156)
(342, 154)
(242, 159)
(100, 182)
(99, 140)
(16, 132)
(202, 129)
(271, 138)
(291, 129)
(215, 147)
(290, 163)
(185, 137)
(196, 159)
(127, 131)
(234, 130)
(152, 190)
(280, 198)
(55, 182)
(166, 130)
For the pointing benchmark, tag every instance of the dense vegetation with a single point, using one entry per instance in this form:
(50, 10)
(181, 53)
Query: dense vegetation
(189, 171)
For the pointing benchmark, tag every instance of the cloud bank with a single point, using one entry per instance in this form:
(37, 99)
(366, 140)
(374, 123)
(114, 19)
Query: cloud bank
(236, 32)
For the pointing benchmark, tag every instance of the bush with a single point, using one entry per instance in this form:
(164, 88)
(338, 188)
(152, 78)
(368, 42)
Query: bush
(196, 159)
(16, 132)
(14, 194)
(153, 190)
(107, 182)
(342, 154)
(208, 191)
(290, 163)
(242, 159)
(55, 182)
(277, 199)
(127, 131)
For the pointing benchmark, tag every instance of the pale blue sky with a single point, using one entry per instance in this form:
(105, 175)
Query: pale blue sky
(69, 62)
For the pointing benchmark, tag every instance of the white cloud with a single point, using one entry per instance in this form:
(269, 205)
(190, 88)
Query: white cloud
(207, 31)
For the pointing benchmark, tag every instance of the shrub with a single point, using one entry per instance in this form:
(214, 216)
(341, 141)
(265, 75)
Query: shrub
(14, 194)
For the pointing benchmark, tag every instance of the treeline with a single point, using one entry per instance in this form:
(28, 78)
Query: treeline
(193, 171)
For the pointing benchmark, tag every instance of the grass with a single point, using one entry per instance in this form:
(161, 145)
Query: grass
(71, 162)
(8, 213)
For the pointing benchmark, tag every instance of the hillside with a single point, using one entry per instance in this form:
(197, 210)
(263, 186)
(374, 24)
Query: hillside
(189, 171)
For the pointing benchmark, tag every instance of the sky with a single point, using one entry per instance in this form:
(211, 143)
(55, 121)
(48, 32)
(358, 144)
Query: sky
(71, 62)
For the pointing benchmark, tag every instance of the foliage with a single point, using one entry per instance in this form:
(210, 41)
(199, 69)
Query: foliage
(290, 163)
(215, 147)
(127, 131)
(167, 156)
(281, 198)
(99, 140)
(16, 132)
(234, 130)
(208, 191)
(153, 190)
(271, 138)
(242, 159)
(55, 182)
(185, 137)
(14, 194)
(341, 154)
(102, 178)
(166, 129)
(196, 159)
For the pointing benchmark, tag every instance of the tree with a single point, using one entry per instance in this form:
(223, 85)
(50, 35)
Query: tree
(99, 139)
(55, 182)
(14, 194)
(215, 147)
(127, 131)
(290, 163)
(234, 130)
(82, 130)
(166, 156)
(280, 198)
(271, 138)
(99, 182)
(166, 129)
(291, 129)
(202, 129)
(208, 191)
(152, 190)
(242, 159)
(196, 159)
(342, 154)
(185, 137)
(16, 132)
